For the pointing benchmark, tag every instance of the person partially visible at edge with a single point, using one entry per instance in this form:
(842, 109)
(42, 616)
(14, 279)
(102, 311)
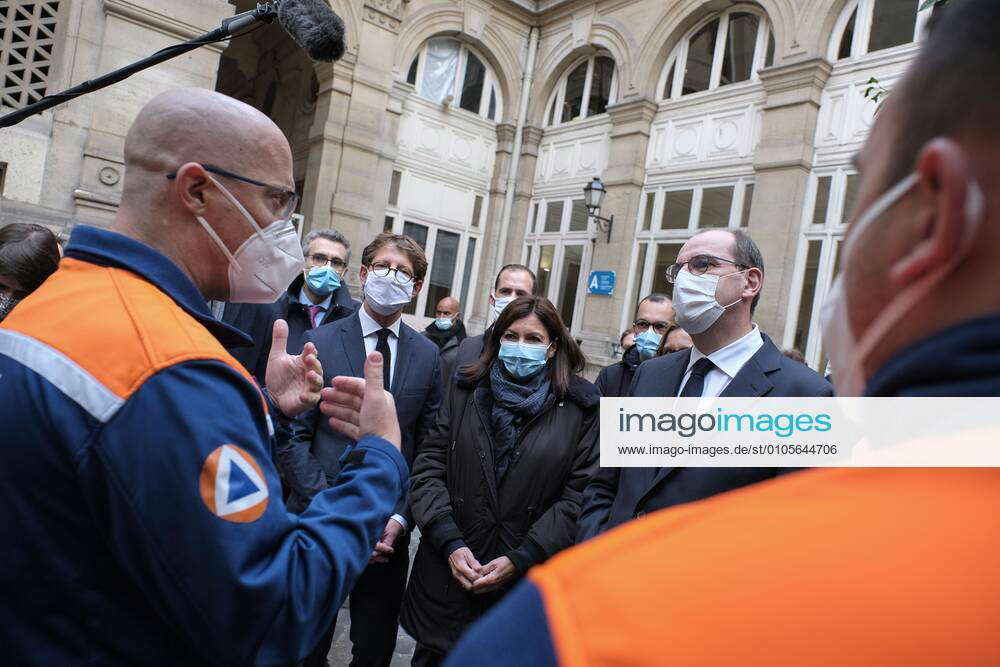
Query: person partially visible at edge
(675, 340)
(497, 484)
(897, 562)
(653, 317)
(143, 519)
(29, 254)
(318, 296)
(717, 281)
(513, 281)
(447, 331)
(627, 339)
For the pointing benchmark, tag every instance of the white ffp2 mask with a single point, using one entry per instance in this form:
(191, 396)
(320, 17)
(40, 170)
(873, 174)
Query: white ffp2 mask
(263, 266)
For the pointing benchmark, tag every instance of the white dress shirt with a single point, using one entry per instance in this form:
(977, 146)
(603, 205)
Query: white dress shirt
(370, 329)
(728, 362)
(325, 304)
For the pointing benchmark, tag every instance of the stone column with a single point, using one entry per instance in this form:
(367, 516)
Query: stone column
(353, 139)
(624, 179)
(782, 163)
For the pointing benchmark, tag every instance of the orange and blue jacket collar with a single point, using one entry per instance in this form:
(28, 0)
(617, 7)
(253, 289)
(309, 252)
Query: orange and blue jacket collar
(107, 248)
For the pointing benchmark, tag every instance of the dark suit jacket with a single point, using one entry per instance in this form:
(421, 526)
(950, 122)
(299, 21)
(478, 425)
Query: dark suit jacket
(617, 495)
(311, 460)
(257, 321)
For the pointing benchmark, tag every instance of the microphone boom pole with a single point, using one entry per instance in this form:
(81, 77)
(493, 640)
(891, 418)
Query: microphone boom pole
(265, 12)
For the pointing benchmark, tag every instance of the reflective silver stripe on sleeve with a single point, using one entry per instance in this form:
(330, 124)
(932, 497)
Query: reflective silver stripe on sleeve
(64, 373)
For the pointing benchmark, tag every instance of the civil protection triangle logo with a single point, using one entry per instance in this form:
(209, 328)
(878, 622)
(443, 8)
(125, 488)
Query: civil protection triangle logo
(232, 485)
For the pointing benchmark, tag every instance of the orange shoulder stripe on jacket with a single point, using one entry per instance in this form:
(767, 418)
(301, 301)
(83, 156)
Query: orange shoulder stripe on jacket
(116, 325)
(834, 567)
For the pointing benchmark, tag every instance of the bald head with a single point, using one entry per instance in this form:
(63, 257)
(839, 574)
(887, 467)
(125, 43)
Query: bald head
(196, 125)
(448, 307)
(180, 133)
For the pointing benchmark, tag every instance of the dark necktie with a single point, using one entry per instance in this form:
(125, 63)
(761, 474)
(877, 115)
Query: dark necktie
(382, 347)
(696, 382)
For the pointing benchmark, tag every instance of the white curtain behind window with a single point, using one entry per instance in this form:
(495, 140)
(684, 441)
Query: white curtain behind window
(440, 69)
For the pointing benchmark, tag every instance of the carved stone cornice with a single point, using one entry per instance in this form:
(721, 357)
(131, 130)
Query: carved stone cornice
(136, 13)
(384, 13)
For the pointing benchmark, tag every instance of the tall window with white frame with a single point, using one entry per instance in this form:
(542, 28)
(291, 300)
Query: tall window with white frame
(727, 48)
(557, 247)
(830, 202)
(587, 89)
(446, 70)
(451, 247)
(867, 26)
(670, 215)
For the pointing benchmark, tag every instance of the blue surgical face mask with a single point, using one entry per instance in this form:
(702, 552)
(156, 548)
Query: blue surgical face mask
(443, 323)
(323, 280)
(523, 360)
(648, 342)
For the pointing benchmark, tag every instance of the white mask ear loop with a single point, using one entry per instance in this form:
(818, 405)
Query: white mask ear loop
(726, 276)
(975, 203)
(238, 205)
(218, 242)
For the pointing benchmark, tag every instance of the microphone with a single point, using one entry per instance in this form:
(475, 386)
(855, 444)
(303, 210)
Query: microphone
(314, 27)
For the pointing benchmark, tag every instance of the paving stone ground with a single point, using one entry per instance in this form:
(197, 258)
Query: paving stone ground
(340, 652)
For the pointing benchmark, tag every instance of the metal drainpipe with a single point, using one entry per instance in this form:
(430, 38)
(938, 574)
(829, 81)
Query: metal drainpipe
(515, 160)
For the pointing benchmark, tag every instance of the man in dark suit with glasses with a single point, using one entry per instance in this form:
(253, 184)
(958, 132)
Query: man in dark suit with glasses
(716, 286)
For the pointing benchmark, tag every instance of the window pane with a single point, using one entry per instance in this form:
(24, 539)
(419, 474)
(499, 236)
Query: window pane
(440, 69)
(553, 216)
(439, 285)
(472, 87)
(747, 203)
(570, 282)
(808, 295)
(848, 39)
(769, 58)
(740, 42)
(823, 184)
(850, 197)
(411, 76)
(668, 87)
(419, 234)
(477, 210)
(701, 51)
(600, 86)
(397, 176)
(387, 225)
(578, 216)
(416, 232)
(647, 216)
(676, 209)
(544, 271)
(640, 265)
(533, 225)
(470, 256)
(573, 100)
(666, 254)
(491, 113)
(893, 23)
(716, 204)
(552, 111)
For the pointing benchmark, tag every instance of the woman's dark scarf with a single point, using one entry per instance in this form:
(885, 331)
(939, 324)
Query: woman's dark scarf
(514, 405)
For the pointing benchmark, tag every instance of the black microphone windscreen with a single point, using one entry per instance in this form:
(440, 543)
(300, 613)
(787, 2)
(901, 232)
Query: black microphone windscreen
(314, 27)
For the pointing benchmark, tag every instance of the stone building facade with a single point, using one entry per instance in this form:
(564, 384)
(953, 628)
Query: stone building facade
(473, 126)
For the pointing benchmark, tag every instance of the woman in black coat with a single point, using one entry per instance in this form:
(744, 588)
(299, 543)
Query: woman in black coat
(497, 484)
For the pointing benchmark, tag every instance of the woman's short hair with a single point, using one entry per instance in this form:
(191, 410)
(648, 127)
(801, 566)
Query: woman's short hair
(29, 254)
(567, 362)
